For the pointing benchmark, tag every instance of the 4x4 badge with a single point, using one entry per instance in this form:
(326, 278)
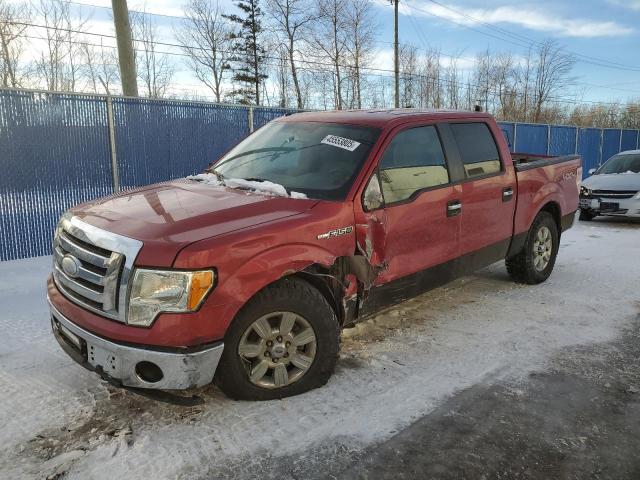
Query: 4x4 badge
(335, 233)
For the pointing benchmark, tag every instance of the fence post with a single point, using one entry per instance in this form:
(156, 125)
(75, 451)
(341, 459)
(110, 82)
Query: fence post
(548, 138)
(601, 145)
(250, 119)
(575, 150)
(515, 136)
(620, 144)
(112, 146)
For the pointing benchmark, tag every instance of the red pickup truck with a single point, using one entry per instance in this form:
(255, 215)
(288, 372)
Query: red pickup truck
(247, 273)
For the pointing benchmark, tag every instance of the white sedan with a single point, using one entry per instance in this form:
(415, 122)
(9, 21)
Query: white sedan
(613, 189)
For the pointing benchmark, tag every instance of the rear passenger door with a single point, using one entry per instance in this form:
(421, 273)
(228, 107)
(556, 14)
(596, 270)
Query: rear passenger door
(488, 195)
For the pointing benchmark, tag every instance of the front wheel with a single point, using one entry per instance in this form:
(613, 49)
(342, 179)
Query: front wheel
(283, 342)
(535, 262)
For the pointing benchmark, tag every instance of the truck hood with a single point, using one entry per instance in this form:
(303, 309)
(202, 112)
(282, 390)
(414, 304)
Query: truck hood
(168, 216)
(613, 181)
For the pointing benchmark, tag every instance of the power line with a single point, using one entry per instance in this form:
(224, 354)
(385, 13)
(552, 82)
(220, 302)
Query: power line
(140, 12)
(518, 39)
(438, 80)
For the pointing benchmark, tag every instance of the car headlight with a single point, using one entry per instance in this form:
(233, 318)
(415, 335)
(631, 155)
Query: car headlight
(155, 291)
(585, 191)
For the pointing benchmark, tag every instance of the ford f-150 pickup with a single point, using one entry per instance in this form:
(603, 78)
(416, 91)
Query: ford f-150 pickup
(246, 274)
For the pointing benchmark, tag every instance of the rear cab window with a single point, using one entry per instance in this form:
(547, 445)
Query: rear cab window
(478, 149)
(413, 161)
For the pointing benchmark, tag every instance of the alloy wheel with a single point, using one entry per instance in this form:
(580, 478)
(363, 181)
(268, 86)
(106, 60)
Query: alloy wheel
(542, 248)
(277, 349)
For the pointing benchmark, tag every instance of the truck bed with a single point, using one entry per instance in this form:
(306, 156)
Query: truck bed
(527, 161)
(554, 179)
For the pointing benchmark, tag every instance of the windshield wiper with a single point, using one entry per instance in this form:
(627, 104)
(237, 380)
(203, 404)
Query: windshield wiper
(218, 175)
(255, 179)
(259, 150)
(261, 180)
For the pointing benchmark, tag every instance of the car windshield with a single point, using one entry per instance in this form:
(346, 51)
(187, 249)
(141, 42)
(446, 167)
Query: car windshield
(320, 160)
(629, 163)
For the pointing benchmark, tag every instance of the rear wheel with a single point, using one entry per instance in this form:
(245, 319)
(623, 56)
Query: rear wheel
(535, 262)
(587, 215)
(282, 343)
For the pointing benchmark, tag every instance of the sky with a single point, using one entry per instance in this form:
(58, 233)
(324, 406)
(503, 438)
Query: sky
(604, 35)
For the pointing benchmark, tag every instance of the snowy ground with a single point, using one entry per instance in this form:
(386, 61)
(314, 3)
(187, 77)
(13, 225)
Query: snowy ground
(62, 421)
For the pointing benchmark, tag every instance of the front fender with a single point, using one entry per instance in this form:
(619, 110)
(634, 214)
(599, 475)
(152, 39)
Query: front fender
(238, 287)
(269, 266)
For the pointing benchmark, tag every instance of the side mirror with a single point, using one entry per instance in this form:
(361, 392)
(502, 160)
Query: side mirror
(372, 197)
(592, 171)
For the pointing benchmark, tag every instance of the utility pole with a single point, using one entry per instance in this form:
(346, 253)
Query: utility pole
(396, 60)
(125, 48)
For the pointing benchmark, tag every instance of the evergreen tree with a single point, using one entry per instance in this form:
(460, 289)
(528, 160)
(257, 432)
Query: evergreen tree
(248, 55)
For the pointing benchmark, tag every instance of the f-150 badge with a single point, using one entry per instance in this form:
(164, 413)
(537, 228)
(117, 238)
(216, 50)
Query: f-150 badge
(335, 233)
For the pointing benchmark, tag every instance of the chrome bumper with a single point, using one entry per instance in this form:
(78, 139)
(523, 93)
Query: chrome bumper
(114, 361)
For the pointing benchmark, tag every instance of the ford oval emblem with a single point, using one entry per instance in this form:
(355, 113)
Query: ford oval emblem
(70, 265)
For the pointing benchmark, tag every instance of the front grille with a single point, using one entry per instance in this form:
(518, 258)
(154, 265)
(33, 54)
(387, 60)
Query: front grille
(96, 281)
(91, 266)
(621, 194)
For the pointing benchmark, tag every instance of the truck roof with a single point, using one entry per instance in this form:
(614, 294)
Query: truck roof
(382, 117)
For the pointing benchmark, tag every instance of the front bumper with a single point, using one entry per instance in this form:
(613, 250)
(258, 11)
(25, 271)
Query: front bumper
(628, 207)
(128, 364)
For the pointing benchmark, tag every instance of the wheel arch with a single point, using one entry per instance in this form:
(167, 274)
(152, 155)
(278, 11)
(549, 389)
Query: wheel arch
(553, 208)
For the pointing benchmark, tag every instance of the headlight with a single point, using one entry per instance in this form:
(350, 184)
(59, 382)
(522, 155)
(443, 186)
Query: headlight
(155, 291)
(585, 191)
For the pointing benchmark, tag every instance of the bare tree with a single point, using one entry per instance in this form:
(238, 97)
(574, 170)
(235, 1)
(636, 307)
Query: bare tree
(453, 84)
(553, 67)
(205, 39)
(361, 33)
(13, 17)
(291, 19)
(330, 39)
(58, 63)
(99, 67)
(154, 68)
(409, 76)
(282, 78)
(431, 93)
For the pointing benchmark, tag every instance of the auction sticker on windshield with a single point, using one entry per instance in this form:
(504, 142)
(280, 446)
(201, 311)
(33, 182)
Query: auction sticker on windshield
(341, 142)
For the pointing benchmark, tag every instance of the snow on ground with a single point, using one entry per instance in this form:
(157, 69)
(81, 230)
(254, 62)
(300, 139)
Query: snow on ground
(395, 368)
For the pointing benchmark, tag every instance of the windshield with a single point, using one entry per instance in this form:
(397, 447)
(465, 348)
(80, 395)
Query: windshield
(629, 163)
(320, 160)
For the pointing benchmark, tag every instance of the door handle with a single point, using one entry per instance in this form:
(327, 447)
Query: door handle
(507, 194)
(454, 207)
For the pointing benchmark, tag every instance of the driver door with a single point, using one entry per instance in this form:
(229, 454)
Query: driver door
(416, 232)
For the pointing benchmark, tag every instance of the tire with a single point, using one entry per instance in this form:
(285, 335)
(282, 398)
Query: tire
(525, 266)
(238, 376)
(587, 215)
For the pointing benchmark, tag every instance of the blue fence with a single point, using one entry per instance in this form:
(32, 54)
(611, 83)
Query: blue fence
(58, 150)
(55, 152)
(594, 144)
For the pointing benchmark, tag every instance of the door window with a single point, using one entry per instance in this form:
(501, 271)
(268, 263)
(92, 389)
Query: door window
(413, 161)
(477, 149)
